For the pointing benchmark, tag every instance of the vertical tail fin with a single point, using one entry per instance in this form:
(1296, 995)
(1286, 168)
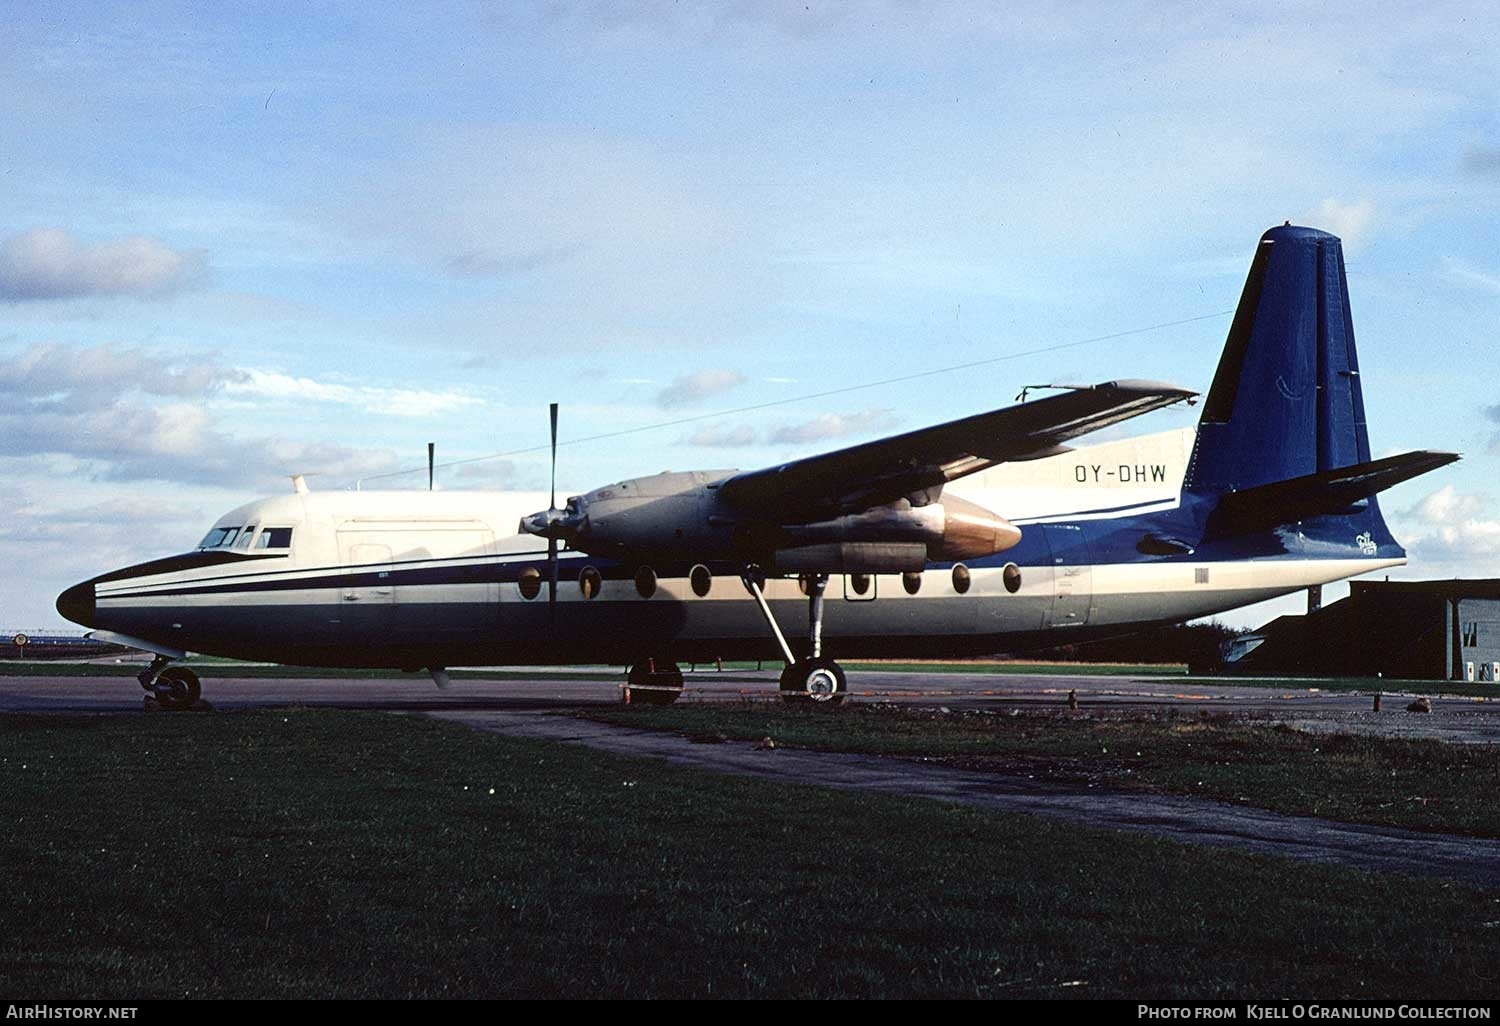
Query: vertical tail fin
(1286, 400)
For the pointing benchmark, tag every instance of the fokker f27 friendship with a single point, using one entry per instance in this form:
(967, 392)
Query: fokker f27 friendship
(1277, 495)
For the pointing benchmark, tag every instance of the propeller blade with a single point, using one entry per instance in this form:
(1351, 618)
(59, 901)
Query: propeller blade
(552, 536)
(553, 503)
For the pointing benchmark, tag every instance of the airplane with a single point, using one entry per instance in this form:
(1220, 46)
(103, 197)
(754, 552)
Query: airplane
(1278, 494)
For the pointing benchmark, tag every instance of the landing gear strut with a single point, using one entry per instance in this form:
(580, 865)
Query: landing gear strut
(815, 678)
(174, 687)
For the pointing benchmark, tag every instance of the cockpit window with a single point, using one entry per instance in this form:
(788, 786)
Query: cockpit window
(245, 535)
(275, 538)
(219, 538)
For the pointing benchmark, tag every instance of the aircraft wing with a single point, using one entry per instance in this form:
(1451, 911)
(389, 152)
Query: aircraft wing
(917, 464)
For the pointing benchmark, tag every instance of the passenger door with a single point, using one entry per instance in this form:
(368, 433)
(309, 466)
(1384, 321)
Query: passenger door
(1072, 575)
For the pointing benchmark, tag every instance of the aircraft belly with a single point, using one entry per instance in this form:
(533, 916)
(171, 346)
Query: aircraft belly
(1176, 591)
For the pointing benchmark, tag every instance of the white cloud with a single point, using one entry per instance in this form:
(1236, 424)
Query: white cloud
(49, 263)
(49, 374)
(1461, 271)
(1447, 506)
(399, 402)
(725, 437)
(1447, 533)
(95, 406)
(697, 386)
(1349, 221)
(833, 425)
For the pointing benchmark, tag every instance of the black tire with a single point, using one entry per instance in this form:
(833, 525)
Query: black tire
(817, 681)
(644, 682)
(177, 687)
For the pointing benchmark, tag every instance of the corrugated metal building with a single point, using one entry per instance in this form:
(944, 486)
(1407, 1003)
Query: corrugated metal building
(1414, 630)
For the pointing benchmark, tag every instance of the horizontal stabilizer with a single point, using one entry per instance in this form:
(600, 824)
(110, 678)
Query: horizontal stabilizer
(1326, 492)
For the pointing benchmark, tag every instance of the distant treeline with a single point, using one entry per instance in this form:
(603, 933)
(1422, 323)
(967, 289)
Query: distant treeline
(1196, 644)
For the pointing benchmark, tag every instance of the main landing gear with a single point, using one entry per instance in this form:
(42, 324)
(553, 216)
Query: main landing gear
(814, 679)
(654, 682)
(173, 687)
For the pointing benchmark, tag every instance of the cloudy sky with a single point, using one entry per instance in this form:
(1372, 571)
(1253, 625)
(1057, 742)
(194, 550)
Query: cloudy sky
(243, 241)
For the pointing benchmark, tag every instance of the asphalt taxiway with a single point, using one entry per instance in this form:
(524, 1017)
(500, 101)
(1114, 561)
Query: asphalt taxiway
(521, 707)
(1452, 718)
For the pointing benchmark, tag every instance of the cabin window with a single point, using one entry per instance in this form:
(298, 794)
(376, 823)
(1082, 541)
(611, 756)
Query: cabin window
(590, 582)
(859, 583)
(701, 580)
(530, 582)
(275, 538)
(961, 578)
(1012, 578)
(645, 582)
(912, 582)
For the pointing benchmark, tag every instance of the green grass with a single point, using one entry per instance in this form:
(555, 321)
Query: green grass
(317, 853)
(1418, 785)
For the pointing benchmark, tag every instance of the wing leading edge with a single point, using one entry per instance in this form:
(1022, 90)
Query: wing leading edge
(918, 463)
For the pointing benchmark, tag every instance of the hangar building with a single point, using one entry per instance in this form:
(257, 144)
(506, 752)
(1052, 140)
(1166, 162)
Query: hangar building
(1412, 630)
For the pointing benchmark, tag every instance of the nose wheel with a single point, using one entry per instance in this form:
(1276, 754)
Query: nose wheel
(173, 687)
(176, 688)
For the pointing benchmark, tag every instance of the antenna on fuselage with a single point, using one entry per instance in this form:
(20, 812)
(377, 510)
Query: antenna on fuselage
(299, 484)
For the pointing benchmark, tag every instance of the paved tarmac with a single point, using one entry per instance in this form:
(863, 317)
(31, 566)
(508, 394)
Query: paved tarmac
(1451, 719)
(522, 708)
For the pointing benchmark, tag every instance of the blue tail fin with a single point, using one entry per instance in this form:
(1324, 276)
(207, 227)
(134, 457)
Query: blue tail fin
(1282, 436)
(1286, 401)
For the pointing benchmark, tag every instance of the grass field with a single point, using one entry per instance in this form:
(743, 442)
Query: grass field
(317, 853)
(1419, 785)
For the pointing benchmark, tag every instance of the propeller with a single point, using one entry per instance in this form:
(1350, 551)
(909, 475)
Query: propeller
(552, 535)
(554, 524)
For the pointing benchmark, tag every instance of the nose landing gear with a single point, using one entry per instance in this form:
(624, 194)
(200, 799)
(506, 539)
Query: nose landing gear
(173, 687)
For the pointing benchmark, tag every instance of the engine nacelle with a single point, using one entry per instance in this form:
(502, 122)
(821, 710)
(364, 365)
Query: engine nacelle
(971, 531)
(952, 529)
(681, 515)
(853, 558)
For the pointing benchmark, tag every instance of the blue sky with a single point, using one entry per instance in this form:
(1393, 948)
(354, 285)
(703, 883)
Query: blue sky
(243, 241)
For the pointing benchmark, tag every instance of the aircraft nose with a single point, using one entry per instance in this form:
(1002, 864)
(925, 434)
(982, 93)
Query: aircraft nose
(77, 603)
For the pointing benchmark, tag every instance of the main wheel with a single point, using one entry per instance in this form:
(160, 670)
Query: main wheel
(659, 686)
(814, 680)
(177, 687)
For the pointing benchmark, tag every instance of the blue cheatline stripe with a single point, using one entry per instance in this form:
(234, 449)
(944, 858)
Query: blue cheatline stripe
(1051, 517)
